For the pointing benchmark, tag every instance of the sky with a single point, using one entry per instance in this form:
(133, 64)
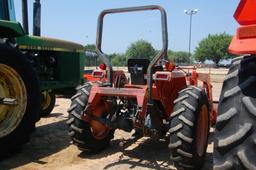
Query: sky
(76, 21)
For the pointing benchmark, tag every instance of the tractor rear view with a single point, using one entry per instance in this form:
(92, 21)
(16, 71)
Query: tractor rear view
(162, 101)
(235, 145)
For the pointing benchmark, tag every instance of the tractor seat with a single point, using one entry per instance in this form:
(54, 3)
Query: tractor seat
(137, 68)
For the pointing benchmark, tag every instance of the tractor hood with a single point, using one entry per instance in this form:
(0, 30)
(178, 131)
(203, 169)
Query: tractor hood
(10, 29)
(47, 44)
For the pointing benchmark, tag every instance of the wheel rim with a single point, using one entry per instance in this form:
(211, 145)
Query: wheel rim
(46, 101)
(11, 86)
(99, 130)
(202, 130)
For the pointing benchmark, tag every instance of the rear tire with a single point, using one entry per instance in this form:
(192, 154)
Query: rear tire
(17, 121)
(189, 128)
(235, 143)
(80, 130)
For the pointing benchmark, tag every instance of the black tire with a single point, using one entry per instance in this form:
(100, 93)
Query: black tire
(235, 143)
(183, 128)
(47, 107)
(80, 131)
(13, 58)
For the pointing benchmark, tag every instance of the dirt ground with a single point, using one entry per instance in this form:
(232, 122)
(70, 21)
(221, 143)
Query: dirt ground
(50, 148)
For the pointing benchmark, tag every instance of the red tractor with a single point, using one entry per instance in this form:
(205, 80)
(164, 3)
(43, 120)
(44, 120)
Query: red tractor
(235, 144)
(161, 100)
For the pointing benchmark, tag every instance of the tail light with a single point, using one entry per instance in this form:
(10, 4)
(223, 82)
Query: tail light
(103, 66)
(98, 74)
(163, 76)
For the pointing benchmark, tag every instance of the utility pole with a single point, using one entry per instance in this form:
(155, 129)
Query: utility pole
(190, 13)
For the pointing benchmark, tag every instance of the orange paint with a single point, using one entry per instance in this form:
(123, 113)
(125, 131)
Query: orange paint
(244, 42)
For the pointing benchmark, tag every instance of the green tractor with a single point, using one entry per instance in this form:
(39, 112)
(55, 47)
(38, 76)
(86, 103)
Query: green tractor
(33, 70)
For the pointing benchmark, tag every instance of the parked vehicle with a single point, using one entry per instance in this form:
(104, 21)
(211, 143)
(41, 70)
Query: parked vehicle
(33, 69)
(161, 101)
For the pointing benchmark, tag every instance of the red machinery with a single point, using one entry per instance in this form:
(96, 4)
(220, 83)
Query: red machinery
(244, 42)
(161, 101)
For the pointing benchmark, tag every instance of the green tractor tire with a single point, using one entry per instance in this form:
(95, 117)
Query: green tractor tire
(18, 85)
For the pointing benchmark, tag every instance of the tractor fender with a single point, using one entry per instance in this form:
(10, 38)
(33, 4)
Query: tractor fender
(9, 29)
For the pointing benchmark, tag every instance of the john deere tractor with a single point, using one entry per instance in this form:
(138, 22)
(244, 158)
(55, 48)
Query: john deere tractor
(33, 69)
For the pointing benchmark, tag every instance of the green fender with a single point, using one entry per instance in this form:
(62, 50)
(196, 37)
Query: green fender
(10, 29)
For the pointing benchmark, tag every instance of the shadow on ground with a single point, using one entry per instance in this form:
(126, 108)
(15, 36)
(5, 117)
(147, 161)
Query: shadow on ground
(146, 153)
(134, 153)
(47, 140)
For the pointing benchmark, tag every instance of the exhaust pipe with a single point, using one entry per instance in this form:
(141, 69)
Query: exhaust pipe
(37, 18)
(25, 16)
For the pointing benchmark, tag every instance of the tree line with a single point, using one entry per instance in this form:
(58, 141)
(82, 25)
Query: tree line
(214, 48)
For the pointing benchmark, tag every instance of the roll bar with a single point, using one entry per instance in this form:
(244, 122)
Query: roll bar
(162, 53)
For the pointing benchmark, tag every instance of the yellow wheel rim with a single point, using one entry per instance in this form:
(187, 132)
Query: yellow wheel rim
(46, 101)
(11, 86)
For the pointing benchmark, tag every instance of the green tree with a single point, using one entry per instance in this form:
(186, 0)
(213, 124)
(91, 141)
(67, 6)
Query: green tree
(141, 49)
(214, 47)
(118, 59)
(90, 47)
(179, 57)
(90, 61)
